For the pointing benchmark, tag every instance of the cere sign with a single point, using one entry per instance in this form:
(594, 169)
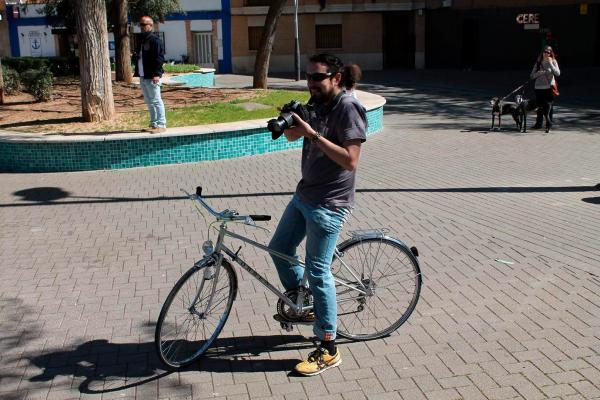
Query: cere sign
(529, 20)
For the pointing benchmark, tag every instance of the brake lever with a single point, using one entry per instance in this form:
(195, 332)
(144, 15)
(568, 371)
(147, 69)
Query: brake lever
(255, 226)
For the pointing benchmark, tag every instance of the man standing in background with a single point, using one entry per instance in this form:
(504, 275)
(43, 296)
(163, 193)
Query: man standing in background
(150, 53)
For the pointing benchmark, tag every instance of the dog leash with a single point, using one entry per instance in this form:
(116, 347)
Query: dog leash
(516, 90)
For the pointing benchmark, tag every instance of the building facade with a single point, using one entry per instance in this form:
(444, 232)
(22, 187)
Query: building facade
(380, 34)
(346, 27)
(376, 34)
(200, 35)
(510, 34)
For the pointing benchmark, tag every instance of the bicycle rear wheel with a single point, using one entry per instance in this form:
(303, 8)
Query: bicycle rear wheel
(378, 286)
(195, 312)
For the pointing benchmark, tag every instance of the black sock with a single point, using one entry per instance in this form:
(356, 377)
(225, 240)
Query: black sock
(329, 345)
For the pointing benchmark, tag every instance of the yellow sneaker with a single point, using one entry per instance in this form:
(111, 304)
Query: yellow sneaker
(318, 361)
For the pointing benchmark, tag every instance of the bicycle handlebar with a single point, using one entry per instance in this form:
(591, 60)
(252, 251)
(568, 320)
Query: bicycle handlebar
(225, 215)
(260, 217)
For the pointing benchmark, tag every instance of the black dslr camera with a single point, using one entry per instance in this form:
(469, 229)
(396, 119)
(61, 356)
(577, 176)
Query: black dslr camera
(285, 119)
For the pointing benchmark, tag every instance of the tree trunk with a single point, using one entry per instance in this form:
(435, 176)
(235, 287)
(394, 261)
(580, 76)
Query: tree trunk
(1, 84)
(263, 56)
(123, 71)
(97, 102)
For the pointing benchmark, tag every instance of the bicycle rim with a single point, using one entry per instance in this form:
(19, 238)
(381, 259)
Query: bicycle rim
(390, 278)
(188, 325)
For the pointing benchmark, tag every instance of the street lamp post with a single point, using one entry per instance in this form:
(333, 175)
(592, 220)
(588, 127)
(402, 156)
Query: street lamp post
(296, 41)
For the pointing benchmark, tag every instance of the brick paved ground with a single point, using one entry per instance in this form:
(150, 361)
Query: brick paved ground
(86, 264)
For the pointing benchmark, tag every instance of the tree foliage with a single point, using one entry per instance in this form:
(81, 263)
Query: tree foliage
(156, 9)
(64, 9)
(117, 18)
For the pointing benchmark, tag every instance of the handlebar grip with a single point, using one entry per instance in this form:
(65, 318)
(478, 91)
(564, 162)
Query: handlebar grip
(199, 191)
(260, 217)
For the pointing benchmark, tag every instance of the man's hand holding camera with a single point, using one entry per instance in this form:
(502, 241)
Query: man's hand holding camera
(300, 129)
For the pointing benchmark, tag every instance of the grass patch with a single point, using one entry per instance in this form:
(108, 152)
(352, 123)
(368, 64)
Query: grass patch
(180, 68)
(229, 111)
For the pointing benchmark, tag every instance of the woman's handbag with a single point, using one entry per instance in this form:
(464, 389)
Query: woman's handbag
(554, 88)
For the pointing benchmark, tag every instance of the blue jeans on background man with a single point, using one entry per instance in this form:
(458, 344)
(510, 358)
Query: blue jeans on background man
(321, 227)
(155, 104)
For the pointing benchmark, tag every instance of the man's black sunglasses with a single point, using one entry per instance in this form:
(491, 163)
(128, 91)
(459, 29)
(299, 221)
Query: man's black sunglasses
(318, 76)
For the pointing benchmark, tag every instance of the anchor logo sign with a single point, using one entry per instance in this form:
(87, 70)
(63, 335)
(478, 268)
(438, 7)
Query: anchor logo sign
(35, 44)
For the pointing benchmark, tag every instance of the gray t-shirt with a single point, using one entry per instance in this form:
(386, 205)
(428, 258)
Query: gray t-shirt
(324, 182)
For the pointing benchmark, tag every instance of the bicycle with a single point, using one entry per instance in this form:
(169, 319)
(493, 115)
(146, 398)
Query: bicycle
(371, 303)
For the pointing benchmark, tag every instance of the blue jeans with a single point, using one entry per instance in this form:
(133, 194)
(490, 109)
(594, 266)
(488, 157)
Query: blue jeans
(321, 227)
(155, 104)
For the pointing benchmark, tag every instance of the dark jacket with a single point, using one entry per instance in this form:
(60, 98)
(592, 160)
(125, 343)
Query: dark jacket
(153, 55)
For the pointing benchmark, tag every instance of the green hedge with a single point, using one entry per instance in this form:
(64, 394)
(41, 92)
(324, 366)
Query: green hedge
(59, 66)
(12, 80)
(38, 83)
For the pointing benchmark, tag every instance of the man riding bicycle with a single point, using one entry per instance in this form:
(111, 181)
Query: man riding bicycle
(323, 199)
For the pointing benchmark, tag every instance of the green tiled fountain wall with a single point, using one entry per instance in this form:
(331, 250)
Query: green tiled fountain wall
(127, 153)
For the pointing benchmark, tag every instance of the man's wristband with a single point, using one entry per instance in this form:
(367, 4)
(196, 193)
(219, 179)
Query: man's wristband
(314, 138)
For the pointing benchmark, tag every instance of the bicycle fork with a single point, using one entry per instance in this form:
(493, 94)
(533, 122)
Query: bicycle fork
(211, 274)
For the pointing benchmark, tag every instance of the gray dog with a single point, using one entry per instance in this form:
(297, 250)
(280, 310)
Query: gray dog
(526, 106)
(500, 108)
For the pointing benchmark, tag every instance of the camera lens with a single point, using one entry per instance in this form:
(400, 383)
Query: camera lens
(277, 126)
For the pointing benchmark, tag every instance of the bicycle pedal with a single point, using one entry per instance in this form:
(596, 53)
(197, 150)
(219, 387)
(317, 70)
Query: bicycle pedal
(280, 318)
(290, 322)
(287, 326)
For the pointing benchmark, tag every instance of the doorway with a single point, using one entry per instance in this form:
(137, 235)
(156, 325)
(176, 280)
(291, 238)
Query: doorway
(202, 49)
(470, 53)
(398, 40)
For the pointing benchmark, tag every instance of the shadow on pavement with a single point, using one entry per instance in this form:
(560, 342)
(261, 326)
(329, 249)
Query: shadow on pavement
(455, 94)
(41, 122)
(591, 200)
(109, 367)
(43, 196)
(19, 329)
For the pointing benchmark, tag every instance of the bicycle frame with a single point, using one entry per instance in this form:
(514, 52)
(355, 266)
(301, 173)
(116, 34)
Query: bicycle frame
(370, 255)
(299, 306)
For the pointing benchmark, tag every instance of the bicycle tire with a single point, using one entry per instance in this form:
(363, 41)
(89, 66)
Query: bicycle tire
(178, 349)
(391, 302)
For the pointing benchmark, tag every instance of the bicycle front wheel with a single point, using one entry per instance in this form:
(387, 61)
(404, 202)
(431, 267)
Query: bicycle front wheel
(378, 282)
(195, 312)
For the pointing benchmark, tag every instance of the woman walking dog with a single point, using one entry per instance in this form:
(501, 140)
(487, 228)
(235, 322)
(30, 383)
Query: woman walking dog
(544, 72)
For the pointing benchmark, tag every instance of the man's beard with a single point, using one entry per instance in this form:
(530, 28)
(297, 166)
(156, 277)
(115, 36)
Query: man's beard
(320, 97)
